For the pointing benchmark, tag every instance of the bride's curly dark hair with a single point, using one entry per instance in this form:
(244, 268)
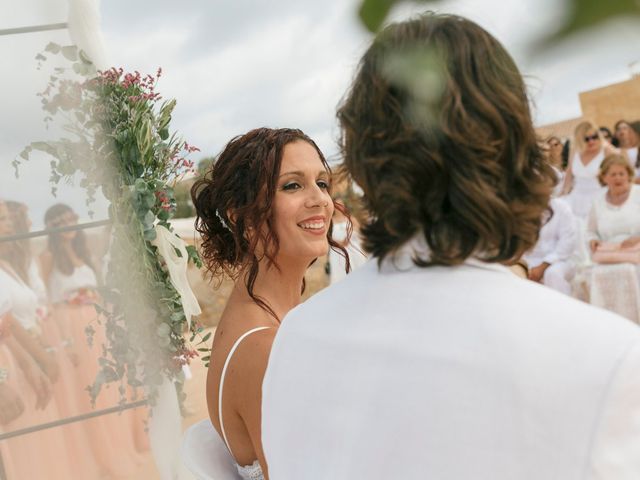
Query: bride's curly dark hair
(236, 196)
(437, 131)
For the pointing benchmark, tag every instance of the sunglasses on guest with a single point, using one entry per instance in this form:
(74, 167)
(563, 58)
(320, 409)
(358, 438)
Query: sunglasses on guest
(593, 137)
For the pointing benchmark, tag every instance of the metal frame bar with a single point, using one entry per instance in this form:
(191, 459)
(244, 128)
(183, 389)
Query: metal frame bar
(43, 233)
(68, 420)
(34, 28)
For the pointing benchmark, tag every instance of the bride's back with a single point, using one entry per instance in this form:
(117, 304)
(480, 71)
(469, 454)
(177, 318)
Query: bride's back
(243, 376)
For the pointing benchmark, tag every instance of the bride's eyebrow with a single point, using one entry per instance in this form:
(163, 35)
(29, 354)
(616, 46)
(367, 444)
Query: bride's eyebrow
(297, 173)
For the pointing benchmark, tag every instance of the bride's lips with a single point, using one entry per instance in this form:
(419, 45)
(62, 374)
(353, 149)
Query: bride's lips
(316, 225)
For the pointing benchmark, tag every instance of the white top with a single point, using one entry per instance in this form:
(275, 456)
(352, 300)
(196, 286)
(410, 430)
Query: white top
(611, 223)
(37, 284)
(5, 303)
(585, 184)
(61, 285)
(558, 236)
(632, 155)
(248, 472)
(24, 301)
(557, 190)
(451, 373)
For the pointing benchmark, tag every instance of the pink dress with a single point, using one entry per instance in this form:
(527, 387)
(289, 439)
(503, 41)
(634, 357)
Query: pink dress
(111, 437)
(43, 454)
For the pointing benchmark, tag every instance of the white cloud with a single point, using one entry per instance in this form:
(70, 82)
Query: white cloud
(233, 66)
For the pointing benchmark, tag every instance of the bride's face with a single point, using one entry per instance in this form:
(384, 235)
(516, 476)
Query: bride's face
(302, 206)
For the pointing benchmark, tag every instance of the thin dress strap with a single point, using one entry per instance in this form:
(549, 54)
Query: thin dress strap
(224, 372)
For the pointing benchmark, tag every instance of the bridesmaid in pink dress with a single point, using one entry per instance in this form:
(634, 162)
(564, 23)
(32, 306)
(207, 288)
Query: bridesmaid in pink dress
(79, 454)
(72, 281)
(35, 365)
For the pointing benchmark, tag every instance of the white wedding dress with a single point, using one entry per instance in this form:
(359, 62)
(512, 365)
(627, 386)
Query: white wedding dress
(207, 455)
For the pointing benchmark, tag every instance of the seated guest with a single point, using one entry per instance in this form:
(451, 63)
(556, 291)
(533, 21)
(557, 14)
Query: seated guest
(549, 261)
(613, 231)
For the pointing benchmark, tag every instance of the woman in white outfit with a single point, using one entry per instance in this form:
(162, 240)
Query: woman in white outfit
(628, 135)
(550, 260)
(581, 180)
(614, 233)
(264, 212)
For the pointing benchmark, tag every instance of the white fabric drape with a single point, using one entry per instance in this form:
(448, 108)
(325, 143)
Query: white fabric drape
(84, 30)
(167, 243)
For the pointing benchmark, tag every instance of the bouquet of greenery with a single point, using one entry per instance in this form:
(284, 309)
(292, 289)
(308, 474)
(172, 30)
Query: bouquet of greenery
(118, 140)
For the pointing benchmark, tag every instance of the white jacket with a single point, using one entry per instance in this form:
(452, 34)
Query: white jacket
(451, 373)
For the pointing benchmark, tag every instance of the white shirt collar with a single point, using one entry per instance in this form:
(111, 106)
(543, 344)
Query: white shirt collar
(402, 258)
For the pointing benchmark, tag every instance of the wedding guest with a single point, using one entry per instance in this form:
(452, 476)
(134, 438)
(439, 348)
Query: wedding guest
(628, 135)
(581, 180)
(435, 361)
(550, 259)
(19, 260)
(11, 404)
(264, 212)
(35, 360)
(71, 279)
(614, 238)
(607, 136)
(554, 157)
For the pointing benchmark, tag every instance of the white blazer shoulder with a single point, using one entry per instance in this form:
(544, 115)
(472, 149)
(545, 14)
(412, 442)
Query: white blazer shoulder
(450, 373)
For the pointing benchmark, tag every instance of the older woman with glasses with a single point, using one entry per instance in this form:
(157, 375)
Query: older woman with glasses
(581, 180)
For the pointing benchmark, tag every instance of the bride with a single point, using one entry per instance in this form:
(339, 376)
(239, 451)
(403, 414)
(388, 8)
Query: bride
(264, 212)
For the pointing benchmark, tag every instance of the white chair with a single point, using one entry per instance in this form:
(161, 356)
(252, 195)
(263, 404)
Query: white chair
(205, 454)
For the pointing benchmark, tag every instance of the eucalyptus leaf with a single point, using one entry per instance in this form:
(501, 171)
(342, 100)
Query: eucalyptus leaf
(70, 52)
(150, 235)
(52, 47)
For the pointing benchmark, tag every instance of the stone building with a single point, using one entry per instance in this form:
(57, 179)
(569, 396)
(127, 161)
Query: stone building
(604, 106)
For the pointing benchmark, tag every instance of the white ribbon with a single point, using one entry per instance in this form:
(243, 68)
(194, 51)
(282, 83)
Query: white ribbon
(167, 243)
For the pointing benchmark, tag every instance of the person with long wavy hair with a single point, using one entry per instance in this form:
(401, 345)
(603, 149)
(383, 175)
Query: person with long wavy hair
(628, 136)
(435, 361)
(37, 372)
(72, 281)
(264, 211)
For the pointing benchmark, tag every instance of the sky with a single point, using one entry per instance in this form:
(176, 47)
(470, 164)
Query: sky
(237, 65)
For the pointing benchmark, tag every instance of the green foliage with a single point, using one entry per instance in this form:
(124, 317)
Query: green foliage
(373, 13)
(184, 206)
(119, 141)
(582, 15)
(205, 164)
(586, 14)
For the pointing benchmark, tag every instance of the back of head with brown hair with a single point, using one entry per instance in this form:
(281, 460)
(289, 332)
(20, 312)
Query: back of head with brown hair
(447, 150)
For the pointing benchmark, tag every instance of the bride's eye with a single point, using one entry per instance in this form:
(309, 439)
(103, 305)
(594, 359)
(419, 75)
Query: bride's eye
(291, 186)
(323, 184)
